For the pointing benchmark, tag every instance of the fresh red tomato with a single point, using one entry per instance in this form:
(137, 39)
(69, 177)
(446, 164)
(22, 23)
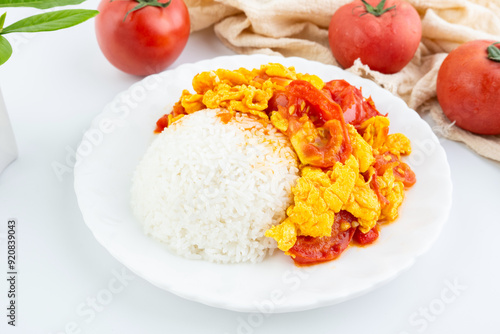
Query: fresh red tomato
(468, 86)
(142, 37)
(384, 35)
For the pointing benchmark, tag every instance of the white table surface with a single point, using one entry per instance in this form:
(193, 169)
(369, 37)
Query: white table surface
(54, 85)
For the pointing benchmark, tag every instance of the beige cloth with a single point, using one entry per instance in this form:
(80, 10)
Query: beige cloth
(300, 28)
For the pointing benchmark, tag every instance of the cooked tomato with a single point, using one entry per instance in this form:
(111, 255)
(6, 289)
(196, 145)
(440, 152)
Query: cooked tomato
(161, 124)
(309, 250)
(365, 238)
(402, 172)
(384, 35)
(316, 125)
(356, 108)
(142, 37)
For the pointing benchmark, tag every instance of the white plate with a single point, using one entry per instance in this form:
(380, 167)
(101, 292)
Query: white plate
(119, 136)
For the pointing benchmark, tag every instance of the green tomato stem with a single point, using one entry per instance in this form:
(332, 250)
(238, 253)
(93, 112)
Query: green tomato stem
(494, 52)
(144, 3)
(377, 11)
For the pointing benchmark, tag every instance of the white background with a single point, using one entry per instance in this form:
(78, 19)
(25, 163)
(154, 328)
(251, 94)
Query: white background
(54, 85)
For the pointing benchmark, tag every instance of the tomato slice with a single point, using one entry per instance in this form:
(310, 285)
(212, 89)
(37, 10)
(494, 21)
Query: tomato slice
(161, 124)
(365, 238)
(321, 106)
(316, 125)
(402, 172)
(405, 174)
(310, 250)
(355, 107)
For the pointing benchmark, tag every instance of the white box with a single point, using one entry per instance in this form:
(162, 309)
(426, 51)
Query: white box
(8, 147)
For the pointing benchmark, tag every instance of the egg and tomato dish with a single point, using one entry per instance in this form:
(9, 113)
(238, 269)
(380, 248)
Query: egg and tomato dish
(351, 177)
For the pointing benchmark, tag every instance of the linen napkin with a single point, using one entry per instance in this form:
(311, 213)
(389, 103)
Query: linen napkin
(300, 28)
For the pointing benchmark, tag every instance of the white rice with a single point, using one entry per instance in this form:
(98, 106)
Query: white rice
(210, 190)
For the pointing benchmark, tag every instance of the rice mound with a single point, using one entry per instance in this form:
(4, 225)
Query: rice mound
(210, 190)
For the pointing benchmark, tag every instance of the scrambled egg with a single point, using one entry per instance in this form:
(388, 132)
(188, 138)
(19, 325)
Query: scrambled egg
(393, 191)
(375, 132)
(240, 90)
(361, 149)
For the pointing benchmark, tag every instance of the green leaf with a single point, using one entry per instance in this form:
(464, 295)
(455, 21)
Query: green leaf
(2, 20)
(51, 21)
(40, 4)
(5, 50)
